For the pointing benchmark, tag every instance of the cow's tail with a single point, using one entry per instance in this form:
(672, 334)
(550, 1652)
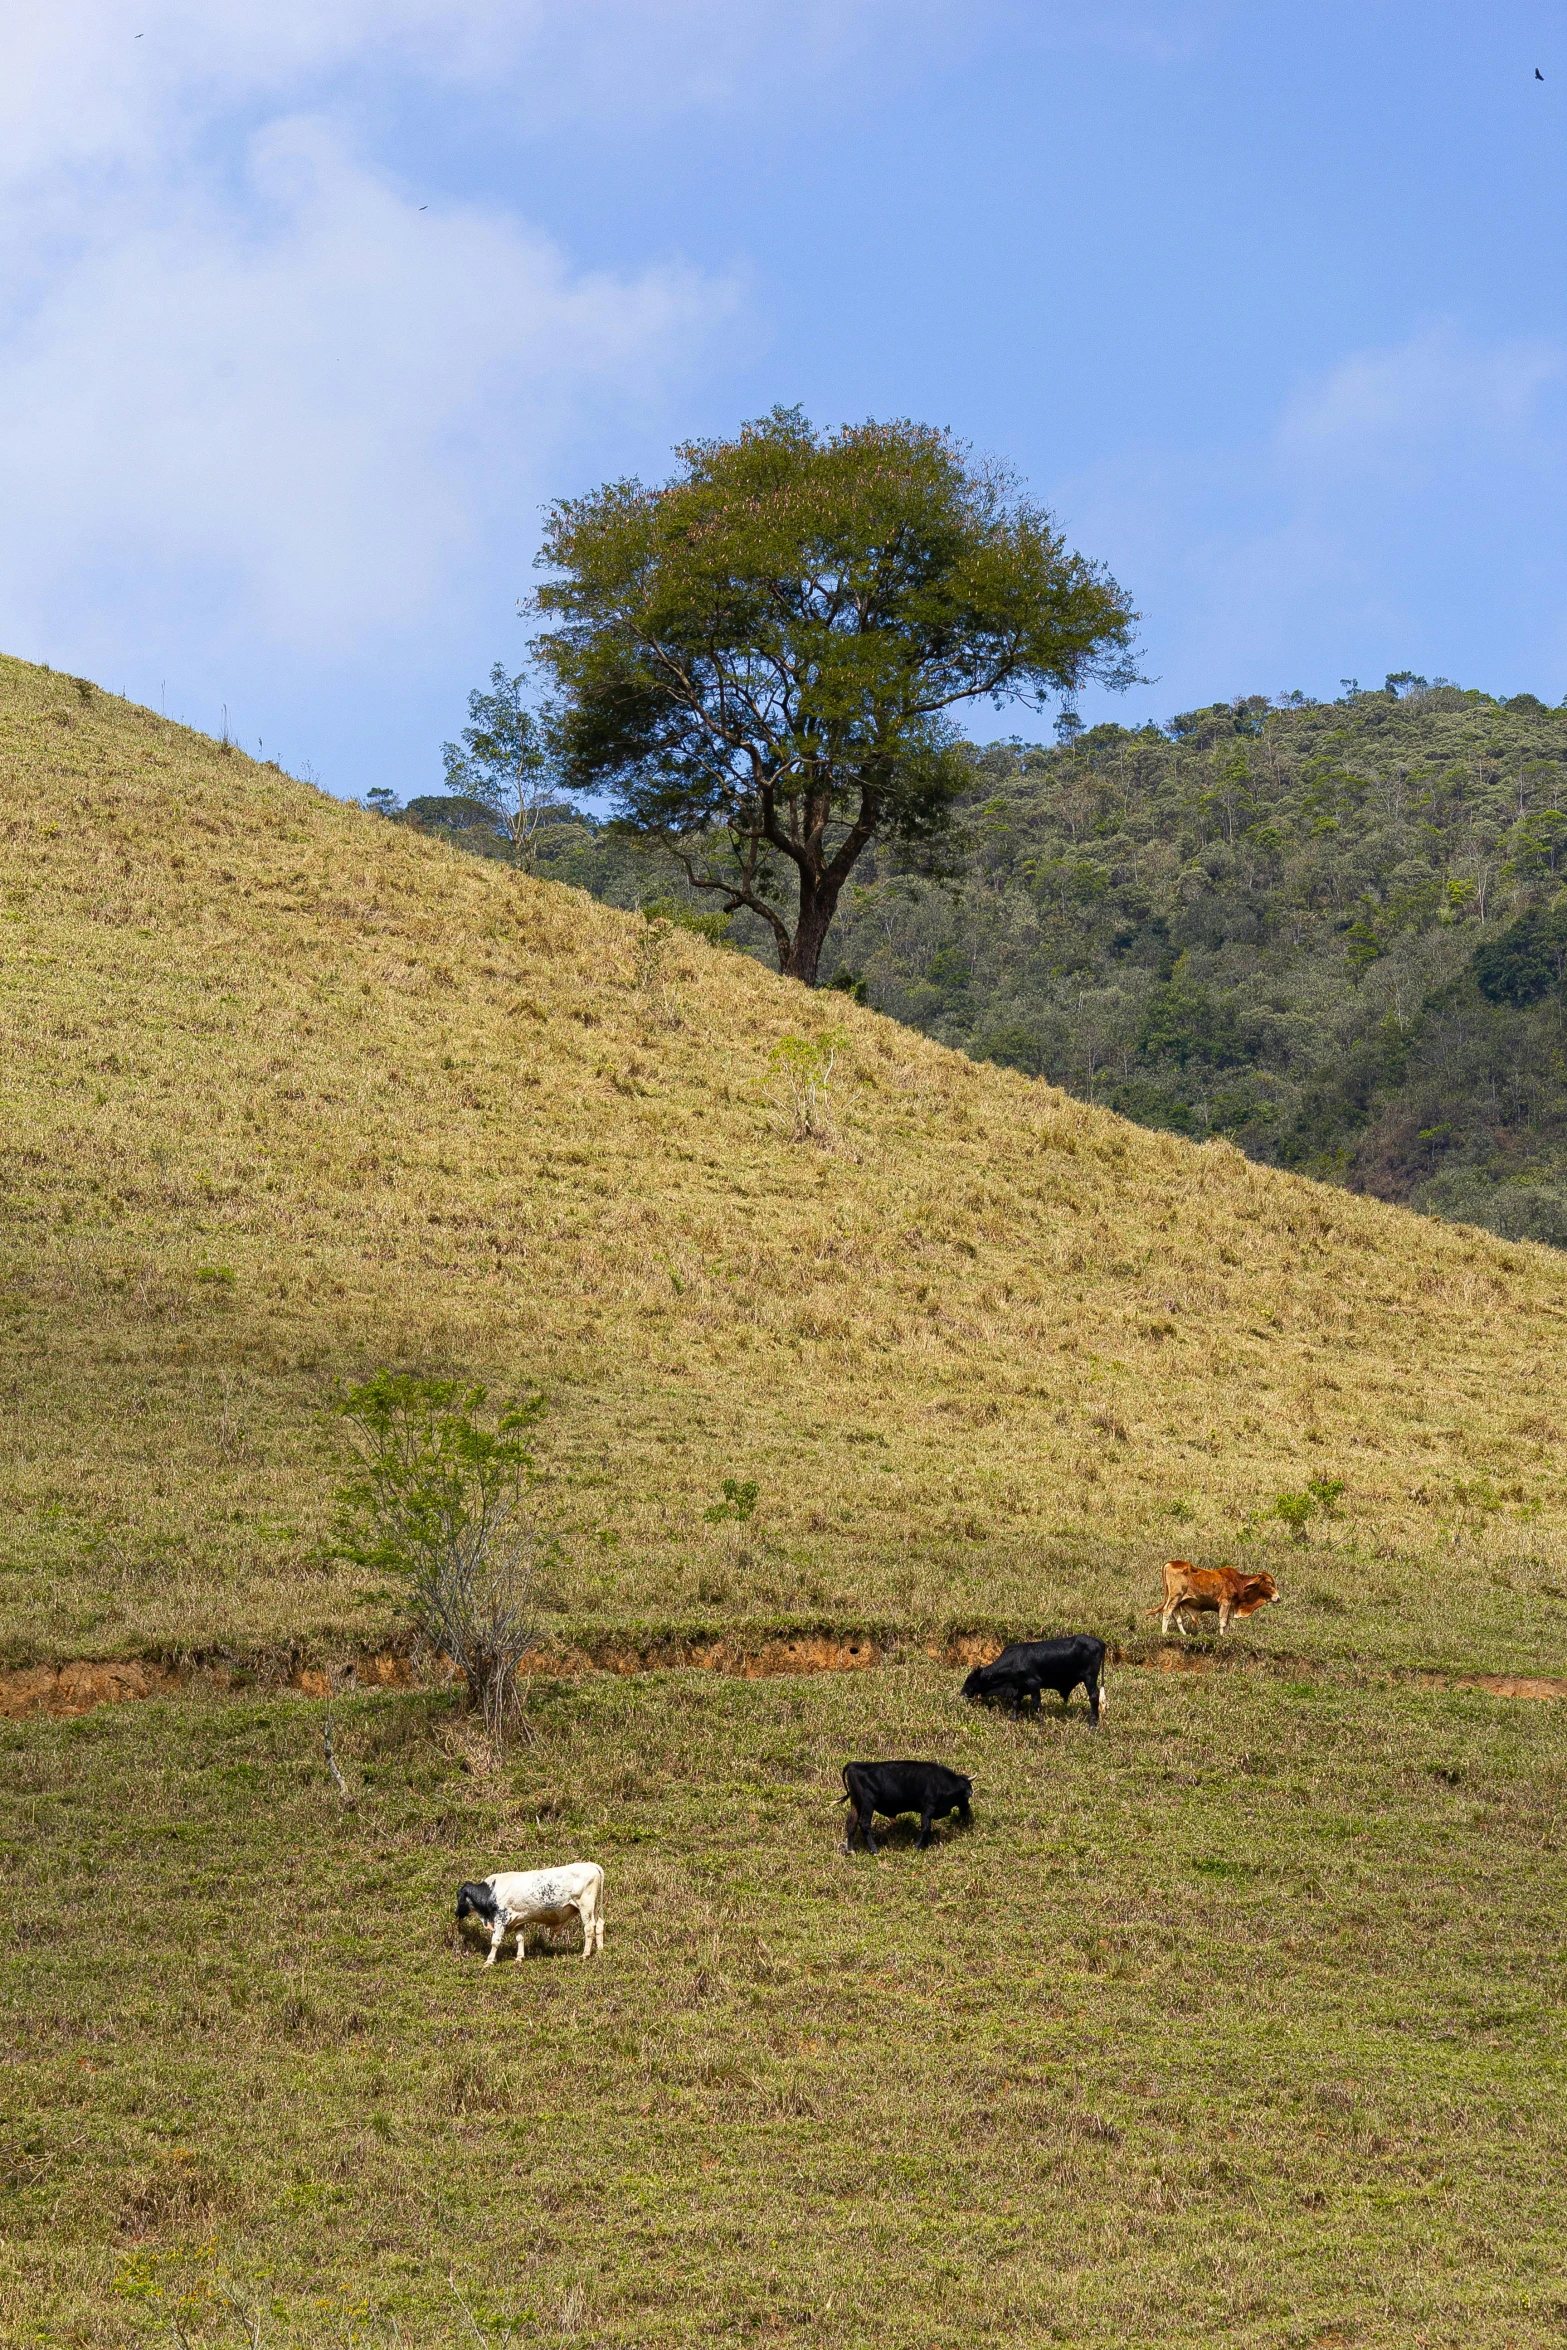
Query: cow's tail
(845, 1797)
(1103, 1677)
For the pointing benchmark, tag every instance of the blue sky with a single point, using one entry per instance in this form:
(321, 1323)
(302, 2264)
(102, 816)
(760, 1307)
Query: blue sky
(305, 312)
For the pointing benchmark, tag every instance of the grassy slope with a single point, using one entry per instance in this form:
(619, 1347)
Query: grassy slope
(1240, 2021)
(423, 1111)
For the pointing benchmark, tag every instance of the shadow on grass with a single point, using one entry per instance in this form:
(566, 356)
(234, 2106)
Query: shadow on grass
(471, 1940)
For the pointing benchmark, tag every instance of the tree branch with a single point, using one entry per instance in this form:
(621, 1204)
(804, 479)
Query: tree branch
(736, 895)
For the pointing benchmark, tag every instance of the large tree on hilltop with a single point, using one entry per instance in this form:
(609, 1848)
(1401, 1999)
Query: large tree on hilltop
(758, 658)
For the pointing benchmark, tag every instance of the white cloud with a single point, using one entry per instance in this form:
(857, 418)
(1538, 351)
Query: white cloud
(1437, 386)
(98, 83)
(256, 394)
(139, 83)
(318, 403)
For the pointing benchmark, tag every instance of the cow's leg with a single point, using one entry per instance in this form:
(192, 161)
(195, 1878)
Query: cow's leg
(1224, 1619)
(867, 1829)
(522, 1939)
(1092, 1688)
(926, 1817)
(497, 1937)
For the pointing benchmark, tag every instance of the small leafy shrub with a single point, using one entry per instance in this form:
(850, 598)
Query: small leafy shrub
(714, 928)
(853, 984)
(1296, 1510)
(738, 1504)
(440, 1503)
(806, 1064)
(657, 993)
(1477, 1496)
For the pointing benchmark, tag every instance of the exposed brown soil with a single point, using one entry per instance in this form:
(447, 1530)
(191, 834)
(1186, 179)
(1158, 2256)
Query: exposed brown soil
(807, 1653)
(79, 1686)
(1514, 1685)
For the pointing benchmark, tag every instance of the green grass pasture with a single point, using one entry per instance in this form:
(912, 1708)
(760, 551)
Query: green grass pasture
(1240, 2022)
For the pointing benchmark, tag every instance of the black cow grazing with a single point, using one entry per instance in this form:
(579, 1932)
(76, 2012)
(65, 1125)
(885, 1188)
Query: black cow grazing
(1028, 1667)
(895, 1787)
(1012, 1687)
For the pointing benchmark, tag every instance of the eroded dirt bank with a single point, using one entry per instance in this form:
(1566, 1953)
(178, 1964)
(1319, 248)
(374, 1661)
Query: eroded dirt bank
(81, 1684)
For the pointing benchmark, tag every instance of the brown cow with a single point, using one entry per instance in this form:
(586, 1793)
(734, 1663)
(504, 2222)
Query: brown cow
(1223, 1591)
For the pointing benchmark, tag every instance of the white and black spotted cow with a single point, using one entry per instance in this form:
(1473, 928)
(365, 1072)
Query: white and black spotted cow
(521, 1897)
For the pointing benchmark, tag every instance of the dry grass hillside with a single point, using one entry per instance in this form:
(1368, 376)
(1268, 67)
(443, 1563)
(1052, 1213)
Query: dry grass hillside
(289, 1092)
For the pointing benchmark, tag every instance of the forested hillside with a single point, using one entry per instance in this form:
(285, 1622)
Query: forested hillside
(1334, 933)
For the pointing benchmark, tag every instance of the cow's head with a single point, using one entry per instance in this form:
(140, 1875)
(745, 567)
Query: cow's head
(475, 1901)
(1255, 1593)
(978, 1682)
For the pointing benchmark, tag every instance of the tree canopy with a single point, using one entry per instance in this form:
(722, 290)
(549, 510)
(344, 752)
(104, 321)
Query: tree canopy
(759, 657)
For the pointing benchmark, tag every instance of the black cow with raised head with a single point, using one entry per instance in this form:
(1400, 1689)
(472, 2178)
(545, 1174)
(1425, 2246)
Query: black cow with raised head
(1024, 1670)
(893, 1788)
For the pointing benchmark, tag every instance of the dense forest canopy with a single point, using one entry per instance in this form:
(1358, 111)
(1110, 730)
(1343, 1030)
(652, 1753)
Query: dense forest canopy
(1334, 932)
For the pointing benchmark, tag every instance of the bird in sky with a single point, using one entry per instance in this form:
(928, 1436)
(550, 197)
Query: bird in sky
(1539, 77)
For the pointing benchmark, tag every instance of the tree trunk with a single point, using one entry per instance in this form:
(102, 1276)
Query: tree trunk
(821, 880)
(818, 904)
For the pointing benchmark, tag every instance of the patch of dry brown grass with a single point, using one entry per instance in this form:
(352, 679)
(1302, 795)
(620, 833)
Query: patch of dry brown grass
(289, 1092)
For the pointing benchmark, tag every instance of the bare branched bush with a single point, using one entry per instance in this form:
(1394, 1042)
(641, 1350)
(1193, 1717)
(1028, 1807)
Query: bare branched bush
(475, 1603)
